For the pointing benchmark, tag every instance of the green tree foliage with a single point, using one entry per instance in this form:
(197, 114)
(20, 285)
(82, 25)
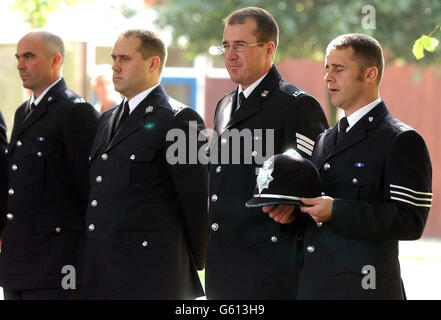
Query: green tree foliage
(306, 26)
(36, 11)
(425, 42)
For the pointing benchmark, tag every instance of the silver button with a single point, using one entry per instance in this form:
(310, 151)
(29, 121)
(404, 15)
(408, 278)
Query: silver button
(223, 141)
(214, 198)
(11, 192)
(104, 156)
(90, 158)
(132, 157)
(94, 203)
(327, 166)
(319, 224)
(218, 169)
(91, 227)
(10, 216)
(310, 249)
(214, 226)
(57, 229)
(99, 179)
(19, 144)
(355, 181)
(14, 167)
(254, 153)
(6, 151)
(274, 239)
(323, 194)
(39, 154)
(145, 243)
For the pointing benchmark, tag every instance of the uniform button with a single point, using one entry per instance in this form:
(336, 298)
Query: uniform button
(310, 249)
(223, 141)
(218, 169)
(254, 153)
(214, 198)
(274, 239)
(90, 158)
(355, 181)
(39, 154)
(145, 243)
(327, 166)
(132, 157)
(319, 224)
(323, 194)
(10, 216)
(91, 227)
(14, 167)
(104, 156)
(99, 179)
(57, 229)
(214, 226)
(19, 144)
(94, 203)
(6, 151)
(11, 192)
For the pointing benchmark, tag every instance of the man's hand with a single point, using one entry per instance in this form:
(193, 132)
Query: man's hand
(282, 213)
(320, 208)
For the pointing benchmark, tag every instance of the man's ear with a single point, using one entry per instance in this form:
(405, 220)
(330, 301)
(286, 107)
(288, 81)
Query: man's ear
(56, 60)
(371, 74)
(154, 63)
(270, 49)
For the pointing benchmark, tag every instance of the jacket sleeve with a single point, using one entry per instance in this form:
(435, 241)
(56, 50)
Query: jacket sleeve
(3, 173)
(78, 135)
(407, 197)
(304, 123)
(190, 179)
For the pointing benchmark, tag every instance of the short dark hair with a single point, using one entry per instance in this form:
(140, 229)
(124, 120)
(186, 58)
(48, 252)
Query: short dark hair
(267, 28)
(367, 50)
(53, 43)
(151, 45)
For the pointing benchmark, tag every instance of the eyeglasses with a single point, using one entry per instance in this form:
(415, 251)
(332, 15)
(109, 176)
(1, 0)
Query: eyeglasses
(238, 46)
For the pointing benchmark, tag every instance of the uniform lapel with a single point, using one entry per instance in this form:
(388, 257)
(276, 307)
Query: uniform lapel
(25, 121)
(224, 112)
(111, 123)
(253, 103)
(356, 133)
(138, 117)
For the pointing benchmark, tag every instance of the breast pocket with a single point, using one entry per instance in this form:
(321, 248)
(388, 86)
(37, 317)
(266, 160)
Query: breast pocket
(39, 158)
(357, 184)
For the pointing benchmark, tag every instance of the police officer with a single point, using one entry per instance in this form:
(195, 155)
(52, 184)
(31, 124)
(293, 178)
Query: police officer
(147, 215)
(249, 256)
(48, 177)
(376, 174)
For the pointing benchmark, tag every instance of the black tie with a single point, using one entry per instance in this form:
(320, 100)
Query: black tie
(343, 124)
(123, 116)
(29, 109)
(241, 102)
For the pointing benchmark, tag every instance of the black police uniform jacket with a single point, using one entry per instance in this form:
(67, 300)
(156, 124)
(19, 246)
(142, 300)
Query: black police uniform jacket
(249, 255)
(48, 191)
(3, 171)
(147, 217)
(380, 177)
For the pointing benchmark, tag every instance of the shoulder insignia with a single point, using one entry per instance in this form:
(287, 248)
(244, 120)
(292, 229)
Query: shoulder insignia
(79, 100)
(298, 92)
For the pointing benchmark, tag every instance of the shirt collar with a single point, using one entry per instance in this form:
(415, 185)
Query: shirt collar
(136, 100)
(360, 113)
(37, 101)
(251, 88)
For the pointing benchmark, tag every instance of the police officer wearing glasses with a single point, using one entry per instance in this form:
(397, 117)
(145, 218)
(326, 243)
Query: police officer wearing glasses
(249, 256)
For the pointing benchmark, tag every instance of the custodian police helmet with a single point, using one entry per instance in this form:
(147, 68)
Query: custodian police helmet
(285, 178)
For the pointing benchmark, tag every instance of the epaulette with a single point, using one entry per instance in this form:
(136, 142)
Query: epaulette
(398, 124)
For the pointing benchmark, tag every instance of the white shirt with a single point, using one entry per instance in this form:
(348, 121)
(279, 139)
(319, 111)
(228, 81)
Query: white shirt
(133, 103)
(250, 89)
(37, 101)
(360, 113)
